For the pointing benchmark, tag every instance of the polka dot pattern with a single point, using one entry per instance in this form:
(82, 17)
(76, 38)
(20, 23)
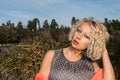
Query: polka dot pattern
(63, 69)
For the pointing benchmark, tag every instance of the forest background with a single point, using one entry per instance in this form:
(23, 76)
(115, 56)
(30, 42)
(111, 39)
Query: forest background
(22, 48)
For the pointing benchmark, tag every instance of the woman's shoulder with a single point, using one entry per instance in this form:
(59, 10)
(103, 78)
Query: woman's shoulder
(46, 63)
(49, 54)
(48, 57)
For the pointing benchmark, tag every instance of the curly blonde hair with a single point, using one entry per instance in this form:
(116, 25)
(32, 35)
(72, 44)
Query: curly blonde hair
(98, 37)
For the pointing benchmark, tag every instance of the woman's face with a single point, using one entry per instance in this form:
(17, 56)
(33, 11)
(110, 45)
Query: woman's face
(81, 37)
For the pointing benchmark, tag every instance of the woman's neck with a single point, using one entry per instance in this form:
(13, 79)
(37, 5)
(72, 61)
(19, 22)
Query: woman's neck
(72, 54)
(75, 51)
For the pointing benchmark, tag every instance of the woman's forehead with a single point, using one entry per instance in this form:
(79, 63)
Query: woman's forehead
(85, 26)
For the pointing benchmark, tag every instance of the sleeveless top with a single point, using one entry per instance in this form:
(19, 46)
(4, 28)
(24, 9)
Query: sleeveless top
(63, 69)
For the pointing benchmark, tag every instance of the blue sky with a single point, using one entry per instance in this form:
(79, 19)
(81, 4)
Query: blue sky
(61, 10)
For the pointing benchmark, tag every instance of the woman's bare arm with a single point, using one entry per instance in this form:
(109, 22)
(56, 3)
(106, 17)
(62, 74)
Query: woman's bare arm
(108, 69)
(46, 63)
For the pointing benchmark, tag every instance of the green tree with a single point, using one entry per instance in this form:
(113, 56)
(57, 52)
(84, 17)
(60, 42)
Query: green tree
(32, 25)
(36, 22)
(19, 25)
(7, 35)
(53, 24)
(46, 24)
(3, 24)
(8, 23)
(107, 24)
(11, 25)
(74, 20)
(20, 31)
(115, 24)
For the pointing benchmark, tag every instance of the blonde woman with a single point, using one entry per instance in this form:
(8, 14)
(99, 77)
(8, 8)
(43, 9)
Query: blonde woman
(77, 62)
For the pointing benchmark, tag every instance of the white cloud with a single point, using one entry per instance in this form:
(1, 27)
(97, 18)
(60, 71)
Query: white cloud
(18, 14)
(35, 3)
(48, 2)
(61, 10)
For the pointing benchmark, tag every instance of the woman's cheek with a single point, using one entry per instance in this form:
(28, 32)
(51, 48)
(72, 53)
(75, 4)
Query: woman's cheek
(86, 42)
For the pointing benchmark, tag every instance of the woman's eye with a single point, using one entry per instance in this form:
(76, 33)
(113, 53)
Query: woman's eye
(78, 30)
(86, 36)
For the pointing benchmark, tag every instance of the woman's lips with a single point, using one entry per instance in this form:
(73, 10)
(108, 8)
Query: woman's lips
(75, 42)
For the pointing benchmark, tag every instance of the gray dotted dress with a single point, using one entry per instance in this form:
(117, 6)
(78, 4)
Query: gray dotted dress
(63, 69)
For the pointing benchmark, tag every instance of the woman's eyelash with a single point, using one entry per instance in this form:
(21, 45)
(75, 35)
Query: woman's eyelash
(78, 30)
(87, 36)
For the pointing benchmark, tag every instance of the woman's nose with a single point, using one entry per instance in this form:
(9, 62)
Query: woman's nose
(79, 36)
